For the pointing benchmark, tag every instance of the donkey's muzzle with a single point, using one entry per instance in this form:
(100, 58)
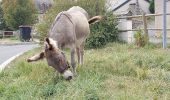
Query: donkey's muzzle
(68, 75)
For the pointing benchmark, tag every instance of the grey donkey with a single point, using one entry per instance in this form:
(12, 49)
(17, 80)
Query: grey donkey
(70, 29)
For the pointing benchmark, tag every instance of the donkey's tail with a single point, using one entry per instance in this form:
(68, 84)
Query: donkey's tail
(94, 19)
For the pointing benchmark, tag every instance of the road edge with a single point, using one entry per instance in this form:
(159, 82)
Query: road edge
(3, 65)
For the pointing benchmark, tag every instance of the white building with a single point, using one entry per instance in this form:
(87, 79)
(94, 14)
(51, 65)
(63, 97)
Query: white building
(128, 8)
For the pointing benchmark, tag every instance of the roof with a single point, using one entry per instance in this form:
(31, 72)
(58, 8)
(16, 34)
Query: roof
(120, 7)
(119, 4)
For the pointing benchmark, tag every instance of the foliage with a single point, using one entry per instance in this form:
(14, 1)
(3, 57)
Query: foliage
(103, 32)
(2, 20)
(19, 12)
(42, 29)
(139, 38)
(115, 72)
(152, 6)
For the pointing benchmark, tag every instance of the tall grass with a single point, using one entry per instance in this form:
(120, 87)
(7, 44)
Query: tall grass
(116, 72)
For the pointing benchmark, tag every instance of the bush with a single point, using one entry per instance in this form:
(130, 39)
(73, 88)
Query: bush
(152, 6)
(42, 29)
(139, 38)
(103, 32)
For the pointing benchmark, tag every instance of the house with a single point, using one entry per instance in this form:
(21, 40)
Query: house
(120, 7)
(158, 19)
(128, 8)
(43, 5)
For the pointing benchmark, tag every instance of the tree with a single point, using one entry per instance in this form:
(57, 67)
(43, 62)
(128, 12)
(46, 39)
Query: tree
(2, 20)
(19, 12)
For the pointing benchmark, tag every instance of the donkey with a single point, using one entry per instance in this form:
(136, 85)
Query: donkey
(55, 58)
(70, 29)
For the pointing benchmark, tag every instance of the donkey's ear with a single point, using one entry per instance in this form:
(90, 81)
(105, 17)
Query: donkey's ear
(47, 40)
(48, 44)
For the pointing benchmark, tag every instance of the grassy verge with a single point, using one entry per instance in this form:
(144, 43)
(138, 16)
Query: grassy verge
(9, 40)
(116, 72)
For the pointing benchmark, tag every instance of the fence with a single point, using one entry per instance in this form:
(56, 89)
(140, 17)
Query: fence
(143, 26)
(4, 34)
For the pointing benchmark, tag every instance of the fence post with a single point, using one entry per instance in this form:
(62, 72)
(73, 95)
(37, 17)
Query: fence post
(145, 27)
(164, 24)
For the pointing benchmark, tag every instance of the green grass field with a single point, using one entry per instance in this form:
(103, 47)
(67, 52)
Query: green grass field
(115, 72)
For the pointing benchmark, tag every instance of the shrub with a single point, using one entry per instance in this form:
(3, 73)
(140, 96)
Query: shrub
(152, 6)
(42, 29)
(139, 38)
(103, 32)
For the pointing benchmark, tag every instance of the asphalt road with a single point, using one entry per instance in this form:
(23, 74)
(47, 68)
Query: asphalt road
(6, 52)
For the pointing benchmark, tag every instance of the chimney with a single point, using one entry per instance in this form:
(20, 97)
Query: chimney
(132, 8)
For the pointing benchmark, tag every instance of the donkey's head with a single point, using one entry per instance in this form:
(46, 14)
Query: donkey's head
(55, 58)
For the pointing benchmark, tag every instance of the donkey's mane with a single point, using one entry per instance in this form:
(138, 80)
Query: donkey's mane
(56, 19)
(59, 16)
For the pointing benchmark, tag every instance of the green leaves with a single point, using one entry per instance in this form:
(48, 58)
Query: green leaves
(2, 20)
(103, 32)
(152, 6)
(19, 12)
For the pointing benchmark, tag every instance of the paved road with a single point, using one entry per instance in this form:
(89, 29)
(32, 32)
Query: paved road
(6, 52)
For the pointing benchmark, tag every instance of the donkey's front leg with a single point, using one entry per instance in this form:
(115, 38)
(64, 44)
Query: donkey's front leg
(78, 54)
(36, 57)
(73, 62)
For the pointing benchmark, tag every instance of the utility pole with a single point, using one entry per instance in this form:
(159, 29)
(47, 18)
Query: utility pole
(164, 25)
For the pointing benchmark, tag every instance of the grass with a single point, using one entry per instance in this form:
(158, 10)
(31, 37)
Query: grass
(116, 72)
(14, 39)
